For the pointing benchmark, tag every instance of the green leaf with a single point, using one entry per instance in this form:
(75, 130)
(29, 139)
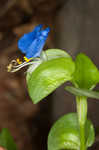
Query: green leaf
(65, 134)
(86, 74)
(6, 140)
(82, 92)
(90, 134)
(48, 76)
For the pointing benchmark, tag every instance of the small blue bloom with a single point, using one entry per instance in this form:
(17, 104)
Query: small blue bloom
(32, 43)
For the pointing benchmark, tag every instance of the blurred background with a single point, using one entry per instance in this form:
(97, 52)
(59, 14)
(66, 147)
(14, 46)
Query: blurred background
(74, 28)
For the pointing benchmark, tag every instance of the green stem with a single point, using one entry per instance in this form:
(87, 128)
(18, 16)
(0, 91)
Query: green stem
(82, 117)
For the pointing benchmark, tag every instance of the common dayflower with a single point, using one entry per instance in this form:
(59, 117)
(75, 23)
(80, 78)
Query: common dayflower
(31, 44)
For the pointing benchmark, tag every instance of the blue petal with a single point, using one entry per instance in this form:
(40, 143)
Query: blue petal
(37, 45)
(45, 32)
(35, 49)
(26, 40)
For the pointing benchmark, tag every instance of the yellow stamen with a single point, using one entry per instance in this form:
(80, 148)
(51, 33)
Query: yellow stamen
(26, 59)
(18, 61)
(9, 67)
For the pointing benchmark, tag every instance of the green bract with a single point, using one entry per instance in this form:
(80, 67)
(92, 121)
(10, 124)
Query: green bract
(86, 74)
(56, 53)
(49, 75)
(65, 134)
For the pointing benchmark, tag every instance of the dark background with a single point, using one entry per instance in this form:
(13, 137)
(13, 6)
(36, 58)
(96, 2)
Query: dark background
(74, 28)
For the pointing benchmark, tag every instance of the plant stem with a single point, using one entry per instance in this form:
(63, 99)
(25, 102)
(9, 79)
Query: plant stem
(82, 117)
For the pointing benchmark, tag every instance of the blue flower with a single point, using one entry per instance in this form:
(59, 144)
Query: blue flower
(32, 43)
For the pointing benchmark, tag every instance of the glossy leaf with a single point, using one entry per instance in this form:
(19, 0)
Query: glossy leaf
(82, 92)
(48, 76)
(86, 74)
(6, 140)
(65, 134)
